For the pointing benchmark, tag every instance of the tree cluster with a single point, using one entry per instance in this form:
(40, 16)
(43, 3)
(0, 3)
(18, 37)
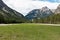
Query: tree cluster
(52, 19)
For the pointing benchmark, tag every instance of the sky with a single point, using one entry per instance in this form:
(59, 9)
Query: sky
(25, 6)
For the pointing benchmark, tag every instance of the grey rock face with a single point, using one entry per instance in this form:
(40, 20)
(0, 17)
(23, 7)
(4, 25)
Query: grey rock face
(58, 9)
(39, 13)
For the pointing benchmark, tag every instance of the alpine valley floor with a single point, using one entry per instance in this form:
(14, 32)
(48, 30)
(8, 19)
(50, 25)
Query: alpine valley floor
(28, 31)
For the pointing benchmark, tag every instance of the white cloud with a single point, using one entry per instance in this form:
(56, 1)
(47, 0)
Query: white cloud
(24, 6)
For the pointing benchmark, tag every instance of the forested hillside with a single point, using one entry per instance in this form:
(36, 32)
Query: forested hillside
(8, 15)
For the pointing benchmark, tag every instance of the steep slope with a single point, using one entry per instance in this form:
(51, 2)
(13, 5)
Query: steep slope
(39, 13)
(8, 14)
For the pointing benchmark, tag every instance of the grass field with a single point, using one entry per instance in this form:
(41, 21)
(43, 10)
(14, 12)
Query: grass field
(29, 32)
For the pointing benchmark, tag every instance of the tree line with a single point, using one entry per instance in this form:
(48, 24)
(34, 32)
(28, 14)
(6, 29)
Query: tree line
(52, 19)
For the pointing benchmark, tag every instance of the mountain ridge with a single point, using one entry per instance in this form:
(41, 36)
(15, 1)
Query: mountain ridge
(39, 13)
(9, 14)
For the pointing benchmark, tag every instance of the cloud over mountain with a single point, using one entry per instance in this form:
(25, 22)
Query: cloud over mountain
(24, 6)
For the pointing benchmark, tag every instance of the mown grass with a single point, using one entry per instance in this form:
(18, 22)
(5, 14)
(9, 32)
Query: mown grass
(29, 32)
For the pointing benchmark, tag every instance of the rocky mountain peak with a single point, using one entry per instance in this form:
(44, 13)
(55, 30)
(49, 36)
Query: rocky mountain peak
(45, 7)
(58, 6)
(58, 9)
(39, 13)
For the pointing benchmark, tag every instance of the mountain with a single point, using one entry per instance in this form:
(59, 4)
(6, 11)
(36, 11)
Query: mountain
(8, 14)
(33, 14)
(45, 11)
(39, 13)
(58, 9)
(53, 10)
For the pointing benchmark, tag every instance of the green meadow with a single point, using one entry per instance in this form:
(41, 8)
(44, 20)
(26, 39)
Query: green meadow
(29, 32)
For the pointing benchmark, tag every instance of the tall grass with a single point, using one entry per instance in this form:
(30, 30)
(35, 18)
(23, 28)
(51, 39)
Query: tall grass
(29, 32)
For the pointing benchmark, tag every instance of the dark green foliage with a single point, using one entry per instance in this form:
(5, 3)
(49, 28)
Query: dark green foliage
(1, 19)
(55, 19)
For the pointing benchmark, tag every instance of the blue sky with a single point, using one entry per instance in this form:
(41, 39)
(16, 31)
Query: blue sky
(51, 0)
(25, 6)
